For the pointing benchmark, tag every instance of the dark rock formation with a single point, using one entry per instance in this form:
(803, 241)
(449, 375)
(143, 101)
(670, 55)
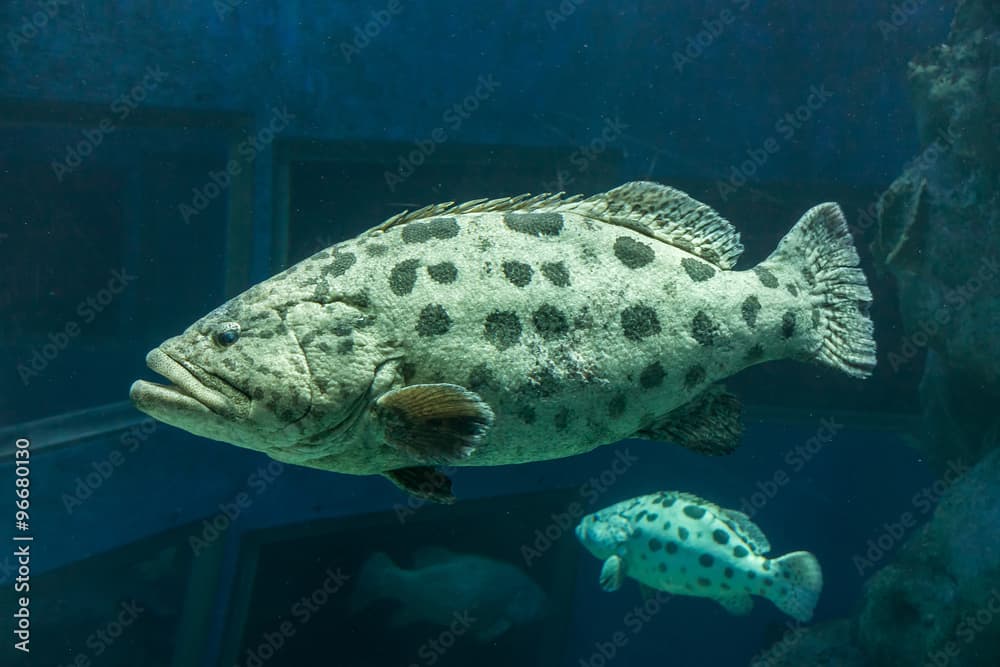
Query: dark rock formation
(939, 235)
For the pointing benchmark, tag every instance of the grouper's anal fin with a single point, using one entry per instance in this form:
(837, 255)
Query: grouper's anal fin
(710, 423)
(424, 482)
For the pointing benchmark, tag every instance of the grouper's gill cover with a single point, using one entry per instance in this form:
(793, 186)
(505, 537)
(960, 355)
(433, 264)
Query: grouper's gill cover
(513, 330)
(263, 371)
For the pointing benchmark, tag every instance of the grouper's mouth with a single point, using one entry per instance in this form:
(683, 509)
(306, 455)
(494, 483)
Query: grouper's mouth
(193, 392)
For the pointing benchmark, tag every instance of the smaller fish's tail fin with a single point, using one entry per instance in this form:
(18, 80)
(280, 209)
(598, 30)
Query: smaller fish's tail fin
(376, 581)
(820, 249)
(799, 581)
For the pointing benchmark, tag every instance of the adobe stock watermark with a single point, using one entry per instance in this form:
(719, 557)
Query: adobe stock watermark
(776, 653)
(104, 468)
(302, 611)
(102, 639)
(562, 12)
(796, 459)
(121, 109)
(891, 533)
(214, 527)
(34, 25)
(365, 34)
(785, 127)
(901, 14)
(954, 300)
(452, 120)
(87, 311)
(563, 523)
(246, 152)
(635, 620)
(711, 29)
(434, 648)
(581, 159)
(971, 626)
(927, 158)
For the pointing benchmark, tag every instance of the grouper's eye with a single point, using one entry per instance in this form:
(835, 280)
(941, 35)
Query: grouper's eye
(227, 334)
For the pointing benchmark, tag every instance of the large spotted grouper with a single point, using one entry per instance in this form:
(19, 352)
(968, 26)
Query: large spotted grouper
(679, 543)
(512, 330)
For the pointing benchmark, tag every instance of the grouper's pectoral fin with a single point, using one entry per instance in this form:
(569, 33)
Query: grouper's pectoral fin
(710, 423)
(423, 482)
(612, 573)
(434, 423)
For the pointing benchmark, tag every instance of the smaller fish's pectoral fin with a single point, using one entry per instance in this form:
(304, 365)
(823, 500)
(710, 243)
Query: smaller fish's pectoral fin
(434, 423)
(740, 605)
(423, 482)
(710, 423)
(612, 573)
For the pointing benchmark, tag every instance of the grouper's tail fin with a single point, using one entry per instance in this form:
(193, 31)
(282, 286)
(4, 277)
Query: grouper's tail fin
(819, 248)
(799, 581)
(376, 581)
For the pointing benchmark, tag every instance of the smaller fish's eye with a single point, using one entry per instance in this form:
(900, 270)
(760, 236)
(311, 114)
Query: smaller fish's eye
(228, 334)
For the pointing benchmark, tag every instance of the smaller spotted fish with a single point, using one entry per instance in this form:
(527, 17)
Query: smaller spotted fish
(679, 543)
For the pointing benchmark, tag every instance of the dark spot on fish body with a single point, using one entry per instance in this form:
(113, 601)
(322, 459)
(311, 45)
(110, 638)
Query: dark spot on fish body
(728, 572)
(788, 324)
(502, 329)
(403, 277)
(668, 501)
(443, 273)
(706, 560)
(655, 545)
(749, 309)
(437, 228)
(694, 511)
(808, 276)
(765, 277)
(616, 407)
(433, 320)
(639, 322)
(518, 273)
(720, 536)
(751, 574)
(358, 300)
(683, 532)
(703, 329)
(638, 517)
(754, 353)
(345, 346)
(667, 525)
(672, 547)
(767, 566)
(550, 322)
(792, 289)
(556, 273)
(724, 586)
(662, 567)
(542, 383)
(739, 551)
(769, 581)
(527, 414)
(815, 317)
(561, 419)
(376, 249)
(481, 376)
(339, 263)
(652, 517)
(702, 581)
(697, 271)
(652, 375)
(632, 253)
(694, 376)
(534, 224)
(409, 370)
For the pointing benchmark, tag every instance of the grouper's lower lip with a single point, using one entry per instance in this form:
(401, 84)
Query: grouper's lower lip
(187, 394)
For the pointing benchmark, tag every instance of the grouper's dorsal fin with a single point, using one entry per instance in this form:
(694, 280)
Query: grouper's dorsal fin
(669, 215)
(692, 499)
(534, 203)
(747, 530)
